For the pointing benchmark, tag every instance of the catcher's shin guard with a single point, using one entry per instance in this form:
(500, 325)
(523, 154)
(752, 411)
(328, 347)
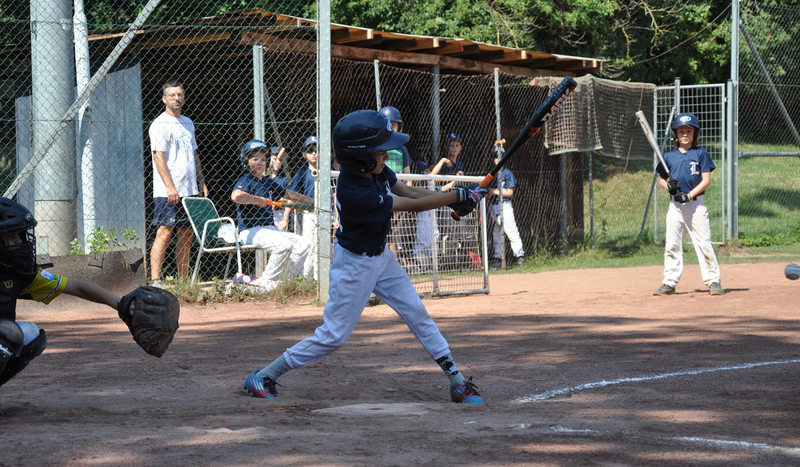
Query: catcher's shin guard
(11, 339)
(30, 351)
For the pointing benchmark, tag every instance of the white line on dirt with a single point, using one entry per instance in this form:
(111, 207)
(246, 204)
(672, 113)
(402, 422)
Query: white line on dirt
(740, 444)
(637, 379)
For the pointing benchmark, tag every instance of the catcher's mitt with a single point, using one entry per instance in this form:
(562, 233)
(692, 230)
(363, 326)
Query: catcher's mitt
(152, 317)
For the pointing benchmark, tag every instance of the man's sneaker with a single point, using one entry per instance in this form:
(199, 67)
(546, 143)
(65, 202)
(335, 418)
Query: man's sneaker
(466, 393)
(519, 261)
(261, 387)
(716, 289)
(664, 290)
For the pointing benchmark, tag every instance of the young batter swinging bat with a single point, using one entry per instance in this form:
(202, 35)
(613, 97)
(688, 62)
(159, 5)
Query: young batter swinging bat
(534, 124)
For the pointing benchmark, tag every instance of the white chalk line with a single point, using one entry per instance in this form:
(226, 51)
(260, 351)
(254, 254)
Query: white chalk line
(637, 379)
(723, 443)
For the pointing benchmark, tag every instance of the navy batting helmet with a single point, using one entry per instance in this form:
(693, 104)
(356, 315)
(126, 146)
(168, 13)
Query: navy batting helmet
(18, 256)
(249, 147)
(391, 113)
(453, 137)
(360, 134)
(686, 119)
(310, 144)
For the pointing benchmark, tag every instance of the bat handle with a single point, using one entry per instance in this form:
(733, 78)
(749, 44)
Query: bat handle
(483, 184)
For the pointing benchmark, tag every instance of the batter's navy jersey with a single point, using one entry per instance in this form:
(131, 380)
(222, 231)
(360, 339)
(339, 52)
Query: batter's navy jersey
(509, 181)
(365, 211)
(250, 215)
(303, 182)
(687, 168)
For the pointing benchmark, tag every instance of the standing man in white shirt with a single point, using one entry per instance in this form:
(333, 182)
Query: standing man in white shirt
(176, 174)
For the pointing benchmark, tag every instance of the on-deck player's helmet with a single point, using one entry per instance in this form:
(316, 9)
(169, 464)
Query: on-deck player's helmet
(686, 119)
(391, 113)
(360, 134)
(310, 144)
(19, 257)
(249, 147)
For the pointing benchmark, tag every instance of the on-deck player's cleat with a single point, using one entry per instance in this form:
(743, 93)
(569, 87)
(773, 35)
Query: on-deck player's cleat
(716, 289)
(664, 290)
(466, 393)
(261, 387)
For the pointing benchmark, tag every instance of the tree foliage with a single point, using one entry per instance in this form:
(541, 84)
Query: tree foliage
(644, 40)
(629, 33)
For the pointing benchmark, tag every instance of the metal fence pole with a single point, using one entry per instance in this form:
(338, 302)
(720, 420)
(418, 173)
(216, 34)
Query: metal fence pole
(324, 147)
(376, 66)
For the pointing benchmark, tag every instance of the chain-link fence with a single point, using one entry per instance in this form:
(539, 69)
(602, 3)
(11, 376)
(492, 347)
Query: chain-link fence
(81, 156)
(769, 150)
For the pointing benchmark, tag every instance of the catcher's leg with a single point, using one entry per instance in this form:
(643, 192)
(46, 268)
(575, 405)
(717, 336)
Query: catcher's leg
(10, 342)
(33, 342)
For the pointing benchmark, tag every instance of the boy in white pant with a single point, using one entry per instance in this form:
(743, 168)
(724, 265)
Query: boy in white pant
(502, 203)
(252, 192)
(690, 169)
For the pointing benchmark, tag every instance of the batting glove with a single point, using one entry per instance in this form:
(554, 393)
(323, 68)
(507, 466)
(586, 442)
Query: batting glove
(672, 187)
(473, 194)
(683, 198)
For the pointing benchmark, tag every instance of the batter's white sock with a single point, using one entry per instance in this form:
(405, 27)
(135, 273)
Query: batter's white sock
(274, 370)
(450, 369)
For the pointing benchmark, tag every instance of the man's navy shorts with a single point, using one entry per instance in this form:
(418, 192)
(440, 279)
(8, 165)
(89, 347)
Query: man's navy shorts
(171, 215)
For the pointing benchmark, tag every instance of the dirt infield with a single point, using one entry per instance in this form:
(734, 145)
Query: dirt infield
(577, 367)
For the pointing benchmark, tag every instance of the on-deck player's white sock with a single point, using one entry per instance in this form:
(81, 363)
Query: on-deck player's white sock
(274, 370)
(450, 369)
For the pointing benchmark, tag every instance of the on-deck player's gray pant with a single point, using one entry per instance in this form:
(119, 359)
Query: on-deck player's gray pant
(353, 278)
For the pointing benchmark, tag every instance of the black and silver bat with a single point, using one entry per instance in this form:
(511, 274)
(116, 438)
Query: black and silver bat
(534, 124)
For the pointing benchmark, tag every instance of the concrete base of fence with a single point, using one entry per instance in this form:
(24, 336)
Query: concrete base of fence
(117, 271)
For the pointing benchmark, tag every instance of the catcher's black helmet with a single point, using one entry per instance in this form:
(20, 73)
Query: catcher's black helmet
(360, 134)
(17, 239)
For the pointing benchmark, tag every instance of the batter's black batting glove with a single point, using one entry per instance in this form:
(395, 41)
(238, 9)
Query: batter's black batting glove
(672, 187)
(683, 198)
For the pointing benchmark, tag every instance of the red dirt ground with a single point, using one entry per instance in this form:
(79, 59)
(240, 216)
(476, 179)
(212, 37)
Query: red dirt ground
(577, 367)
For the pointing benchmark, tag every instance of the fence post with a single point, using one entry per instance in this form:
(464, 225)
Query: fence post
(375, 65)
(499, 200)
(436, 114)
(323, 198)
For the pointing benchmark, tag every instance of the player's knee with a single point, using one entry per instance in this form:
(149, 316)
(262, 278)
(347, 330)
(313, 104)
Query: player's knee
(11, 340)
(36, 342)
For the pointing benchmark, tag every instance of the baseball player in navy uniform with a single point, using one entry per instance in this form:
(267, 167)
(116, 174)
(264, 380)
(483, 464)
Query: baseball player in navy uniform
(304, 183)
(501, 206)
(690, 167)
(367, 195)
(288, 251)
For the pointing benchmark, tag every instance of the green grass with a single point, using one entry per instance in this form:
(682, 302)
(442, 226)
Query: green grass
(217, 292)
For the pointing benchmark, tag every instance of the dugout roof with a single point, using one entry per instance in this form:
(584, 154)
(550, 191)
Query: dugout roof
(363, 44)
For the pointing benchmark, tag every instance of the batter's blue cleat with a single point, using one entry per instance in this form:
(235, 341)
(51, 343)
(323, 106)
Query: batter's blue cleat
(466, 393)
(261, 387)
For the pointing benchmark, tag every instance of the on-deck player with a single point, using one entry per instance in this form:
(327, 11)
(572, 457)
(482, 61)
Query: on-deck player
(690, 167)
(367, 195)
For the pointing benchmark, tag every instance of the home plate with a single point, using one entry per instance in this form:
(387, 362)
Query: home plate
(376, 409)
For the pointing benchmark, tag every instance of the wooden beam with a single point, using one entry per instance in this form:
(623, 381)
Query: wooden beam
(356, 35)
(571, 65)
(420, 43)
